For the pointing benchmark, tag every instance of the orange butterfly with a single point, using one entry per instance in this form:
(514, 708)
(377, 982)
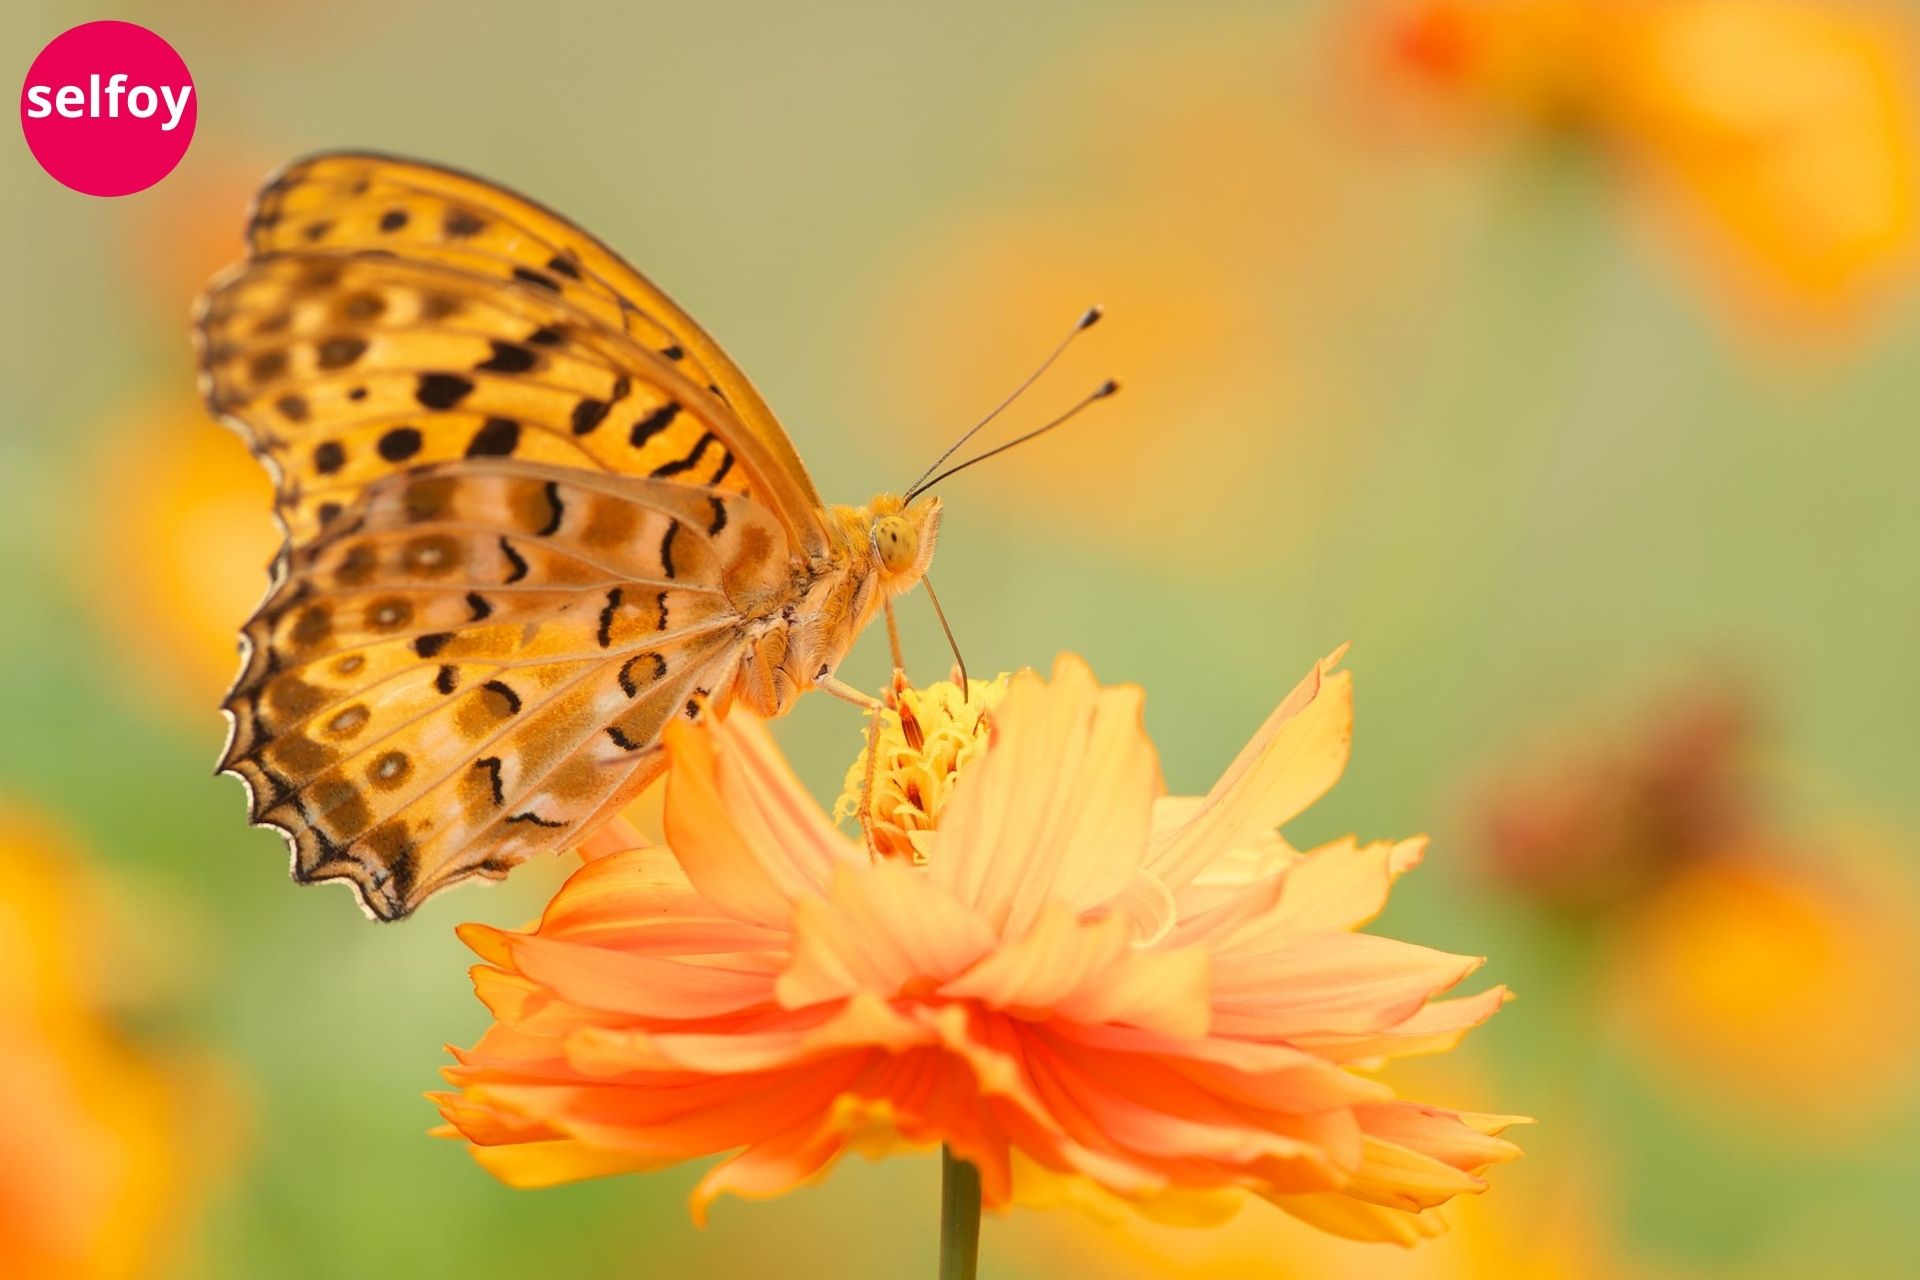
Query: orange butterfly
(532, 513)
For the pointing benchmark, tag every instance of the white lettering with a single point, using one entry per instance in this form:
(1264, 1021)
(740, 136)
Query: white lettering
(143, 100)
(175, 107)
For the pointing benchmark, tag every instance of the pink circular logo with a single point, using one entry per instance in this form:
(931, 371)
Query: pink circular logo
(108, 108)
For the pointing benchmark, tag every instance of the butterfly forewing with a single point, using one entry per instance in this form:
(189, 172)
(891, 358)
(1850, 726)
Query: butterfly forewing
(360, 202)
(343, 370)
(527, 523)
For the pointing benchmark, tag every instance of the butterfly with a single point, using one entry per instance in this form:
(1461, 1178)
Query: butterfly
(532, 513)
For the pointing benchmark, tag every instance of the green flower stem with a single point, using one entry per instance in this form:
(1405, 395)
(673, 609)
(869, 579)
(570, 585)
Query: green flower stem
(959, 1218)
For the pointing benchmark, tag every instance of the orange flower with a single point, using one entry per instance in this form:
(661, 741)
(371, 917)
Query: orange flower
(177, 540)
(107, 1145)
(1553, 1228)
(1779, 972)
(1780, 137)
(1087, 989)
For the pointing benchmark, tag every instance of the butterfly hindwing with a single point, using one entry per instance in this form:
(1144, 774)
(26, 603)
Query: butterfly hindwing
(466, 670)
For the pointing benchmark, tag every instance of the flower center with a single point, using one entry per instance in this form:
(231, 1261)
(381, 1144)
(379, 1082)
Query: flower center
(900, 782)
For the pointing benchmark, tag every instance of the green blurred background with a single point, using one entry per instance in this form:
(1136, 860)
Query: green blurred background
(1459, 395)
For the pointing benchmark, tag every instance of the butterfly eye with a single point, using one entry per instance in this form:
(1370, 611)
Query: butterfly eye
(894, 539)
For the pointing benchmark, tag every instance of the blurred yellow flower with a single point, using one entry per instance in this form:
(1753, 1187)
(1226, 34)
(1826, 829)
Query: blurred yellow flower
(1557, 1231)
(106, 1147)
(178, 535)
(1735, 951)
(1086, 988)
(1783, 976)
(1781, 137)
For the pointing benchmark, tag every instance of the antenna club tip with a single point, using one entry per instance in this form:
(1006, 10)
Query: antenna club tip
(1092, 317)
(1107, 388)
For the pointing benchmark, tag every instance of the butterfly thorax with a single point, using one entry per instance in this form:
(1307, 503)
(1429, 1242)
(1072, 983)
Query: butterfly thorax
(874, 552)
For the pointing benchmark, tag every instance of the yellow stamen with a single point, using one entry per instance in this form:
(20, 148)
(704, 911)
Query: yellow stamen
(926, 736)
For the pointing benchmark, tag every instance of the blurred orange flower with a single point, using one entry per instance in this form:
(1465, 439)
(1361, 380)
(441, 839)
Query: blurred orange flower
(1557, 1231)
(1089, 989)
(1782, 975)
(106, 1146)
(1782, 137)
(178, 536)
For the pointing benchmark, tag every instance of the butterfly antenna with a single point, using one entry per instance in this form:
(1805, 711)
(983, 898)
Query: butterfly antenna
(1105, 389)
(965, 689)
(1086, 322)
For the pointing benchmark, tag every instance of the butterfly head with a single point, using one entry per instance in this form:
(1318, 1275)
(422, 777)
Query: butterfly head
(902, 535)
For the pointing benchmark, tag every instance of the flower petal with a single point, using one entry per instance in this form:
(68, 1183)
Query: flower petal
(1058, 808)
(1291, 762)
(770, 807)
(1433, 1028)
(746, 881)
(880, 929)
(559, 1160)
(1350, 983)
(639, 986)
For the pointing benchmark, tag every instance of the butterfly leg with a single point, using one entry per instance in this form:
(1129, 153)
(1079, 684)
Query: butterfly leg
(893, 641)
(866, 788)
(841, 689)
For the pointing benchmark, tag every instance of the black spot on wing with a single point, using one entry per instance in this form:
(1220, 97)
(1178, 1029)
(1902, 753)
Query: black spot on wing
(535, 819)
(681, 465)
(606, 617)
(338, 353)
(654, 423)
(628, 684)
(478, 609)
(515, 559)
(666, 549)
(719, 520)
(443, 390)
(490, 765)
(508, 357)
(588, 414)
(621, 740)
(399, 444)
(496, 438)
(529, 276)
(558, 509)
(447, 679)
(428, 645)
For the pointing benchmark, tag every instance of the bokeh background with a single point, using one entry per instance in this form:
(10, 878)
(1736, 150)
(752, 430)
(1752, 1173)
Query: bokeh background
(1557, 353)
